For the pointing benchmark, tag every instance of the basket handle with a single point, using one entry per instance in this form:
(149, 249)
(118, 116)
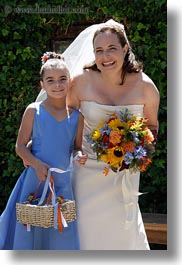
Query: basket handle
(50, 183)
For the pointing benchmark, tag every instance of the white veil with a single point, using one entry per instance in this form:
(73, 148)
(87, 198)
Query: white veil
(80, 51)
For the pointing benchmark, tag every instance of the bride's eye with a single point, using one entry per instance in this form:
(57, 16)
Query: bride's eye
(98, 51)
(112, 48)
(49, 81)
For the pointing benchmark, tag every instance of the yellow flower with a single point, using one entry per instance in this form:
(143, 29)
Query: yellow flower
(96, 134)
(115, 124)
(115, 156)
(105, 158)
(101, 124)
(137, 124)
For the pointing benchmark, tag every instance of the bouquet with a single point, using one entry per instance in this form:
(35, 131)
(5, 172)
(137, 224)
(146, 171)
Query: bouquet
(123, 141)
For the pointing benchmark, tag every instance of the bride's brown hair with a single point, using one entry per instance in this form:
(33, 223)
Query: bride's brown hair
(130, 64)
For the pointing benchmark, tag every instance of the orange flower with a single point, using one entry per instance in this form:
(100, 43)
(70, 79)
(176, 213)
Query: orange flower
(106, 171)
(149, 136)
(145, 162)
(142, 167)
(45, 58)
(115, 137)
(129, 146)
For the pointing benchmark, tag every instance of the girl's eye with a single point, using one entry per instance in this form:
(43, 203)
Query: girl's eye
(63, 79)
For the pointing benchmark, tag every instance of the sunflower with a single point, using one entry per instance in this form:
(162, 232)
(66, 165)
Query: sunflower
(116, 156)
(116, 124)
(105, 158)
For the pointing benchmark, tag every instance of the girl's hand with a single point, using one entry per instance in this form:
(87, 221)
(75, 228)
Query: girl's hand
(41, 169)
(80, 158)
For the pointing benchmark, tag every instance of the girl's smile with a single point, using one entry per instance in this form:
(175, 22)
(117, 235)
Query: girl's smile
(56, 82)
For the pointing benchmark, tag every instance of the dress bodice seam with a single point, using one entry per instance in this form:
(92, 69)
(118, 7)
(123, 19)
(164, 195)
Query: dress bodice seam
(107, 105)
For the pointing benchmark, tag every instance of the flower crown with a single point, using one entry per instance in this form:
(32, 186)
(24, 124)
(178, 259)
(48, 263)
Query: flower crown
(50, 55)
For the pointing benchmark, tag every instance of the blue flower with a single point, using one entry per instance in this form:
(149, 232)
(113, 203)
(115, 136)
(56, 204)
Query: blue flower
(124, 116)
(135, 137)
(105, 129)
(128, 157)
(139, 152)
(89, 139)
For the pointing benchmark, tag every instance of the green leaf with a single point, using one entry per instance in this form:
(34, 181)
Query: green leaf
(5, 32)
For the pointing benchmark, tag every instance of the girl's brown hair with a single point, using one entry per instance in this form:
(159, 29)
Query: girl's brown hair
(52, 60)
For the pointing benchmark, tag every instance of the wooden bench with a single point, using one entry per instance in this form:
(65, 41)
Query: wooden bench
(156, 227)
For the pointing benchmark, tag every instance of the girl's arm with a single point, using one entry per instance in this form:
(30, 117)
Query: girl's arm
(79, 157)
(24, 136)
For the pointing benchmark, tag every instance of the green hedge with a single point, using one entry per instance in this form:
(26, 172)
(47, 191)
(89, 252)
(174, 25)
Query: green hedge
(23, 39)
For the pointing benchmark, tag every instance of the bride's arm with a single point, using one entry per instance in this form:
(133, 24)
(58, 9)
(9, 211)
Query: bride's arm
(151, 107)
(72, 97)
(77, 89)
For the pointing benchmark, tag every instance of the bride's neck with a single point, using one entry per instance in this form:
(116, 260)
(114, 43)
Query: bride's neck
(112, 78)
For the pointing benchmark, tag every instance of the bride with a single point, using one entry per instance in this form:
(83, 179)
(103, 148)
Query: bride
(107, 78)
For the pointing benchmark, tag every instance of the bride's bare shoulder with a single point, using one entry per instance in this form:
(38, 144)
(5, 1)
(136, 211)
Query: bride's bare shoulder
(82, 78)
(149, 88)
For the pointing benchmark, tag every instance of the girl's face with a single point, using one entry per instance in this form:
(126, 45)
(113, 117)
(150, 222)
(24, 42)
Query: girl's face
(109, 54)
(56, 82)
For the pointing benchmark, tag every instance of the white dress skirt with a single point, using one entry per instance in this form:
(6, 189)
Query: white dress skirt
(108, 214)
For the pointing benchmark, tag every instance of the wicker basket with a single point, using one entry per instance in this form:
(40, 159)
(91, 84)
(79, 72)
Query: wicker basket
(42, 213)
(43, 216)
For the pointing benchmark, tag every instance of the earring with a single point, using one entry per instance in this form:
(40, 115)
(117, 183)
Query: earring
(125, 53)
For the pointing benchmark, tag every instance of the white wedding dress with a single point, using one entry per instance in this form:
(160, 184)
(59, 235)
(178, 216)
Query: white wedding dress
(107, 206)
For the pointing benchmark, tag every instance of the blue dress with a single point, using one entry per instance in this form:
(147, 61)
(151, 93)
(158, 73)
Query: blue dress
(53, 143)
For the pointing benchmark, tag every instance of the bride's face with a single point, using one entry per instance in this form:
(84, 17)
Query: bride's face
(109, 54)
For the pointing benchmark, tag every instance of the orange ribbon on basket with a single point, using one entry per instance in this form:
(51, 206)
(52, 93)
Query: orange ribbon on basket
(52, 186)
(32, 196)
(60, 224)
(59, 215)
